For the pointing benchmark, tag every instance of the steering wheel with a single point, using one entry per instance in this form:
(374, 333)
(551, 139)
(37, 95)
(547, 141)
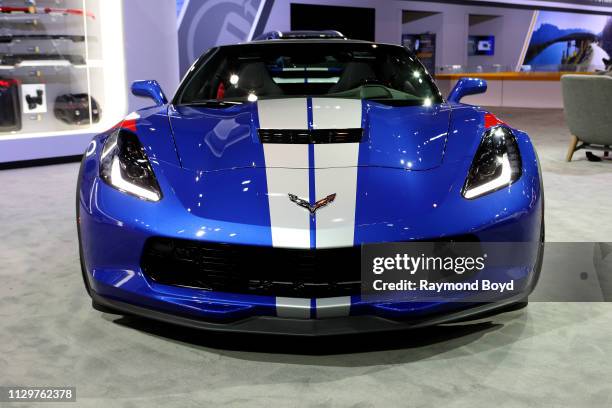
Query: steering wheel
(372, 88)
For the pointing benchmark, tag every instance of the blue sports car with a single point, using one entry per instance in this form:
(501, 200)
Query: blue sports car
(242, 203)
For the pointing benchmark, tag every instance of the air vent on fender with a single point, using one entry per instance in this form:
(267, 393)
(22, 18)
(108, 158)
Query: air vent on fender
(314, 136)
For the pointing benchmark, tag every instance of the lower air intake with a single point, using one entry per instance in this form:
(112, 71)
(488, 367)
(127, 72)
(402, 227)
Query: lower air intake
(253, 269)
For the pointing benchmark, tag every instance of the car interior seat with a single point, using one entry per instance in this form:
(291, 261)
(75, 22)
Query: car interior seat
(354, 74)
(254, 77)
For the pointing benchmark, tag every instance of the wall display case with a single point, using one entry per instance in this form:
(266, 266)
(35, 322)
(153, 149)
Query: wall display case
(61, 68)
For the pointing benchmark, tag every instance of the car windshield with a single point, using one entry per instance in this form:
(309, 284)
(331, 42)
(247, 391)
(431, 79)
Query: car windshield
(237, 74)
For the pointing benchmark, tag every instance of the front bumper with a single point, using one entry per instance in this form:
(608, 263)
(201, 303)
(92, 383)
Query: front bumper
(114, 228)
(271, 325)
(134, 294)
(112, 250)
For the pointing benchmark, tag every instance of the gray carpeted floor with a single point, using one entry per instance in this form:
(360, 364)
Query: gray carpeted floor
(551, 354)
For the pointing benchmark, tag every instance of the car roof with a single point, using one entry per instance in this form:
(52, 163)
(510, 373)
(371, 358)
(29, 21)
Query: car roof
(275, 34)
(265, 43)
(307, 36)
(309, 40)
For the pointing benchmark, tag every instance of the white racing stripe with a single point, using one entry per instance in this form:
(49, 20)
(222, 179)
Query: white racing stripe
(336, 113)
(325, 308)
(336, 221)
(286, 172)
(283, 113)
(336, 172)
(297, 308)
(333, 307)
(290, 223)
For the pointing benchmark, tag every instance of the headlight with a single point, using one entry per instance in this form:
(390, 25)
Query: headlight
(124, 166)
(497, 163)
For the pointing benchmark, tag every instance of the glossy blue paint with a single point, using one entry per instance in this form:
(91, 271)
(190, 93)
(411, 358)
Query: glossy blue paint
(217, 139)
(465, 87)
(155, 134)
(150, 89)
(210, 165)
(410, 137)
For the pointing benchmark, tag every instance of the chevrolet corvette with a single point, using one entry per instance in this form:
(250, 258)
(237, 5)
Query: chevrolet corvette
(242, 203)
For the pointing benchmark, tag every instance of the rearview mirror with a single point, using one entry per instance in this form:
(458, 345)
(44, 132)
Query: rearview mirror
(467, 86)
(149, 89)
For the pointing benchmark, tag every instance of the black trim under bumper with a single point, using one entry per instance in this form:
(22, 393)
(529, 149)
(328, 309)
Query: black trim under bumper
(307, 327)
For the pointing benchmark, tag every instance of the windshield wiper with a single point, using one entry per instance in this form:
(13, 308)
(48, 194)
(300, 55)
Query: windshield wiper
(211, 103)
(396, 102)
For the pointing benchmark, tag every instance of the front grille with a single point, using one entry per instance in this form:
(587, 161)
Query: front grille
(253, 269)
(310, 136)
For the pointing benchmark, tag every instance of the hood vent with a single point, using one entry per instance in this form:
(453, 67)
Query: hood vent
(314, 136)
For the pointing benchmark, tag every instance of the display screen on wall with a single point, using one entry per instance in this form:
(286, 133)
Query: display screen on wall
(481, 45)
(354, 22)
(570, 41)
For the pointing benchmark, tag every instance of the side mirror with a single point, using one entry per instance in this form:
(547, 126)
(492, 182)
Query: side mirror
(149, 89)
(467, 86)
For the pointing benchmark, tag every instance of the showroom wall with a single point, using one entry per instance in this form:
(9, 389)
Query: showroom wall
(160, 39)
(203, 24)
(451, 25)
(158, 57)
(388, 16)
(452, 28)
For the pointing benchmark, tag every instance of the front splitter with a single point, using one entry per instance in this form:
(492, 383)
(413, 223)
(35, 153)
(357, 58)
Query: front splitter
(308, 327)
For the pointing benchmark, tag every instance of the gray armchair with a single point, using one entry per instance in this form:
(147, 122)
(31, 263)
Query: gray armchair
(587, 101)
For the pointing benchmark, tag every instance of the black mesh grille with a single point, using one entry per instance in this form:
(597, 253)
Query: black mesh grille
(314, 136)
(258, 270)
(253, 269)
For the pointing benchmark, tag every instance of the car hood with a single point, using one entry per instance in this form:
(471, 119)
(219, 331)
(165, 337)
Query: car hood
(407, 137)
